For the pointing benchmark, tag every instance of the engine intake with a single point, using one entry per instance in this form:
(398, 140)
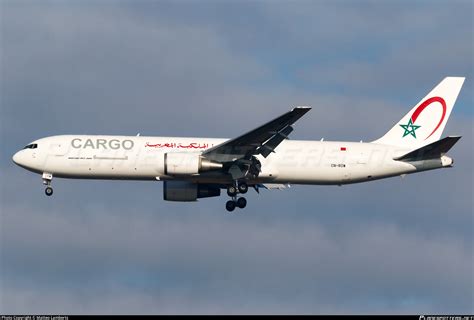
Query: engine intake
(185, 163)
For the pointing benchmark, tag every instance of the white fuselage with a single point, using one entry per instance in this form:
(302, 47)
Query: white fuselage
(142, 158)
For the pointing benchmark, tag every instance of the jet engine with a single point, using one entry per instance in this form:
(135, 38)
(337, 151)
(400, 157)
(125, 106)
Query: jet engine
(185, 163)
(188, 191)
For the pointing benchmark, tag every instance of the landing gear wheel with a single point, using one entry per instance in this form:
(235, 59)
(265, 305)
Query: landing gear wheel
(243, 187)
(48, 191)
(231, 191)
(230, 205)
(241, 203)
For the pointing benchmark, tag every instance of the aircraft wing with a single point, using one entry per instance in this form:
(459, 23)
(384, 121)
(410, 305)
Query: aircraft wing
(262, 140)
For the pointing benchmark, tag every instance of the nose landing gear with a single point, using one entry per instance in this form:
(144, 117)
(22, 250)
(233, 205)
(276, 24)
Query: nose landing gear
(47, 178)
(48, 191)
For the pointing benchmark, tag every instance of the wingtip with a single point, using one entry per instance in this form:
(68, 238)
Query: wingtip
(302, 108)
(451, 78)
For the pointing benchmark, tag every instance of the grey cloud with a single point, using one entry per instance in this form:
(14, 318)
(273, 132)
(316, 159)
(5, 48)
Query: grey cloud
(371, 43)
(96, 66)
(214, 255)
(75, 68)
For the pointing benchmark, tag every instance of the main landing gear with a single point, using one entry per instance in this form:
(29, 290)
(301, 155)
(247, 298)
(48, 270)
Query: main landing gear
(232, 192)
(47, 178)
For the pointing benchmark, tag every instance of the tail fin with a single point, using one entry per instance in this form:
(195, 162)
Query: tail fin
(425, 123)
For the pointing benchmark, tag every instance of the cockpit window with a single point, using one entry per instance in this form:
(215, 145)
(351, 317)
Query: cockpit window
(31, 146)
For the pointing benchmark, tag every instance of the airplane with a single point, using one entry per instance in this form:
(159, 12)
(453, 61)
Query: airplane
(195, 168)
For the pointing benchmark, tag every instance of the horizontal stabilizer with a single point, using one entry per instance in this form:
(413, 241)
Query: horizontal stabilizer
(434, 150)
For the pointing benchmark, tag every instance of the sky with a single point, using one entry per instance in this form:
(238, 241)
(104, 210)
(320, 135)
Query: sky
(219, 69)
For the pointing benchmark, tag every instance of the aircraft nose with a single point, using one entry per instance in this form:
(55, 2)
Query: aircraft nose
(17, 158)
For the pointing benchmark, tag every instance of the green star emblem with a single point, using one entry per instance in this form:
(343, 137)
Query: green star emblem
(409, 129)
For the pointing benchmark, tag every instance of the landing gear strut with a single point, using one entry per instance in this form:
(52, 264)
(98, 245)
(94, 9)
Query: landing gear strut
(47, 178)
(232, 191)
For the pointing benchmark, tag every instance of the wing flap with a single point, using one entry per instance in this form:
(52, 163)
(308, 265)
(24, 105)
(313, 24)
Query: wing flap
(270, 146)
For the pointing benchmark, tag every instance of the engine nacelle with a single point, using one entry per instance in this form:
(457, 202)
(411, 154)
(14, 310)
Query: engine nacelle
(188, 191)
(186, 163)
